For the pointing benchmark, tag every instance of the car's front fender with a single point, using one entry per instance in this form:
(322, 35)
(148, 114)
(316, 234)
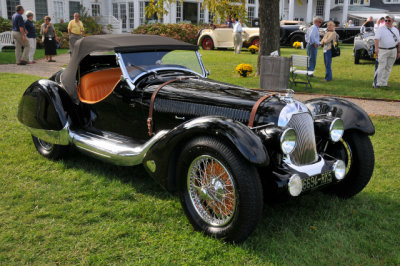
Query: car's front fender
(162, 157)
(353, 116)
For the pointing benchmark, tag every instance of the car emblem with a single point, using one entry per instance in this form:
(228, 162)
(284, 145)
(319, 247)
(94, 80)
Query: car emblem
(289, 93)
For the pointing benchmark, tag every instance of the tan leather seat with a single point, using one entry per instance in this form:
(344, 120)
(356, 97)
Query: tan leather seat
(96, 86)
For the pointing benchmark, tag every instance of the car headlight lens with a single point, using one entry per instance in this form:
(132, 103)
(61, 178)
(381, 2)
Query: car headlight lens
(339, 168)
(336, 130)
(288, 141)
(295, 185)
(371, 42)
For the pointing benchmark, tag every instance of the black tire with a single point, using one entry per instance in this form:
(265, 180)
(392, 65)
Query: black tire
(48, 150)
(357, 55)
(357, 152)
(297, 38)
(231, 203)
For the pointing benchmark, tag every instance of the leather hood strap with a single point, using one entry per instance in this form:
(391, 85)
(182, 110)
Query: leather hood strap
(255, 108)
(150, 123)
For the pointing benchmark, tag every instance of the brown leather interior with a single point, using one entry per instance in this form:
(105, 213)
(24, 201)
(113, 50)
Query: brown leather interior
(96, 86)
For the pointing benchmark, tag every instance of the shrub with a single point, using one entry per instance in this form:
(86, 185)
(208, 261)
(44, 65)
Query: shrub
(181, 31)
(5, 25)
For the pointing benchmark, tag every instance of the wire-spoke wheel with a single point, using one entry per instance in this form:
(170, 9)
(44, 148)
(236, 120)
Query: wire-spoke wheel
(220, 191)
(212, 190)
(49, 150)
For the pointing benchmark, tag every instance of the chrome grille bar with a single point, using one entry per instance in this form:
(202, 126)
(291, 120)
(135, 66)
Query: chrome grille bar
(305, 151)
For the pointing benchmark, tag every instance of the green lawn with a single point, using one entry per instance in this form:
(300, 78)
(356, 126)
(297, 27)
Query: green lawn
(7, 56)
(348, 79)
(84, 211)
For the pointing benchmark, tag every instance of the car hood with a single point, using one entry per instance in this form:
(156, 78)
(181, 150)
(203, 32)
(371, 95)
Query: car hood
(200, 97)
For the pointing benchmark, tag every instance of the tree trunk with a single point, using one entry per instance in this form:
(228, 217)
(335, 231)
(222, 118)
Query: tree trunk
(268, 14)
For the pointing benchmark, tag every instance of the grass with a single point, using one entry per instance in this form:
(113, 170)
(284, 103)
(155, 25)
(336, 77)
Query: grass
(81, 210)
(348, 79)
(7, 56)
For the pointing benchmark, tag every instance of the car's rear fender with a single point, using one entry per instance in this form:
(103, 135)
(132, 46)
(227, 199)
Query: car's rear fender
(352, 115)
(163, 155)
(43, 110)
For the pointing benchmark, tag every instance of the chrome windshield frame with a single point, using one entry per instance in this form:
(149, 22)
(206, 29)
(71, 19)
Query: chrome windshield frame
(131, 82)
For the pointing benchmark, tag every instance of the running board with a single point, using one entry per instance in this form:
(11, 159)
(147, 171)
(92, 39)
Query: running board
(111, 147)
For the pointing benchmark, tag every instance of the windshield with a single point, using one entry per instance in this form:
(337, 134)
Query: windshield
(139, 63)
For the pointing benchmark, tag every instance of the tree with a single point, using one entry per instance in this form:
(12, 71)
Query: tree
(268, 14)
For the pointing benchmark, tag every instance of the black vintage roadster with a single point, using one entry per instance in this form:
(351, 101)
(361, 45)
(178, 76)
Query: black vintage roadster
(224, 149)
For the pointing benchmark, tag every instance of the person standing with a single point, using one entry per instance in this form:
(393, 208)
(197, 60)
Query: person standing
(387, 51)
(49, 33)
(312, 39)
(75, 31)
(329, 39)
(237, 35)
(30, 28)
(18, 28)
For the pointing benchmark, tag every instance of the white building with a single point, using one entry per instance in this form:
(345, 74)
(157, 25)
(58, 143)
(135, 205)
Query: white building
(125, 15)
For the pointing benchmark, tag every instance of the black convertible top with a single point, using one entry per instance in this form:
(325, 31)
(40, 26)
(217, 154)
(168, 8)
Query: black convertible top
(120, 43)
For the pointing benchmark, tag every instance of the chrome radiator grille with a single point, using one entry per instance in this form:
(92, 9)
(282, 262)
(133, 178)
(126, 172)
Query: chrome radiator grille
(305, 151)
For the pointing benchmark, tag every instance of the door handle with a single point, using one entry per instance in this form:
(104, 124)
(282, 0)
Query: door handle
(180, 117)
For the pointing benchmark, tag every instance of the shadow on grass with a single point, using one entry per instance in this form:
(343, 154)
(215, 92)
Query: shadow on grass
(135, 176)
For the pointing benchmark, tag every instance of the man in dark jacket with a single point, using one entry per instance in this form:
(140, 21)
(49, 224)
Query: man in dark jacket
(18, 28)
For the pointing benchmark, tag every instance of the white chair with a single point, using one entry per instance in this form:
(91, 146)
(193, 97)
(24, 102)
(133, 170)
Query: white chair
(299, 66)
(6, 39)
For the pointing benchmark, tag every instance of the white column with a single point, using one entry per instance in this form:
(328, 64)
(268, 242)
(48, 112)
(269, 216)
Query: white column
(345, 11)
(309, 11)
(206, 17)
(327, 10)
(291, 10)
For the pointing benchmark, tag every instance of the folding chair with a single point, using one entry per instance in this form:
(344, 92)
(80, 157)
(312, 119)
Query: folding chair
(299, 66)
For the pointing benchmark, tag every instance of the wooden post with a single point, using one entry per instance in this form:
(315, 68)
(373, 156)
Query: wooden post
(274, 73)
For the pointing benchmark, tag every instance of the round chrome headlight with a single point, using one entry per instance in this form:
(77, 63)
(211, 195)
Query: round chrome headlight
(339, 168)
(336, 130)
(295, 185)
(288, 141)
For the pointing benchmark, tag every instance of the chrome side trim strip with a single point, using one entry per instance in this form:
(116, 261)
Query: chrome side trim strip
(113, 150)
(310, 169)
(59, 137)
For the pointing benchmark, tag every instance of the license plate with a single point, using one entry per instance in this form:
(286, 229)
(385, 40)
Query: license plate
(317, 180)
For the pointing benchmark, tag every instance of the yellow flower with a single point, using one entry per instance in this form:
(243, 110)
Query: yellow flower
(253, 49)
(296, 45)
(244, 69)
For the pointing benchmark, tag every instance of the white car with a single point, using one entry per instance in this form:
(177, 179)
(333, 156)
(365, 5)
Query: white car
(222, 38)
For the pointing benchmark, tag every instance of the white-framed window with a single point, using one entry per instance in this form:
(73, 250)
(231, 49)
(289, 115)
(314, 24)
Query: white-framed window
(250, 13)
(251, 2)
(41, 9)
(95, 10)
(391, 1)
(131, 13)
(115, 10)
(201, 14)
(141, 12)
(58, 11)
(211, 17)
(358, 2)
(11, 4)
(178, 11)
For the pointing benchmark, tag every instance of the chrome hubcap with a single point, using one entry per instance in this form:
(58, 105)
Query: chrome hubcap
(211, 190)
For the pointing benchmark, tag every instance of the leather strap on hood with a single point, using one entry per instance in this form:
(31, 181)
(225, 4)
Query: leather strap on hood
(150, 124)
(255, 108)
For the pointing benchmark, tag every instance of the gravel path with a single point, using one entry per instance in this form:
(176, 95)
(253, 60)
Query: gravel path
(46, 69)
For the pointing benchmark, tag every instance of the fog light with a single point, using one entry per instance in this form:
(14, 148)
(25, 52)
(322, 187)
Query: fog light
(340, 169)
(295, 185)
(288, 141)
(336, 130)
